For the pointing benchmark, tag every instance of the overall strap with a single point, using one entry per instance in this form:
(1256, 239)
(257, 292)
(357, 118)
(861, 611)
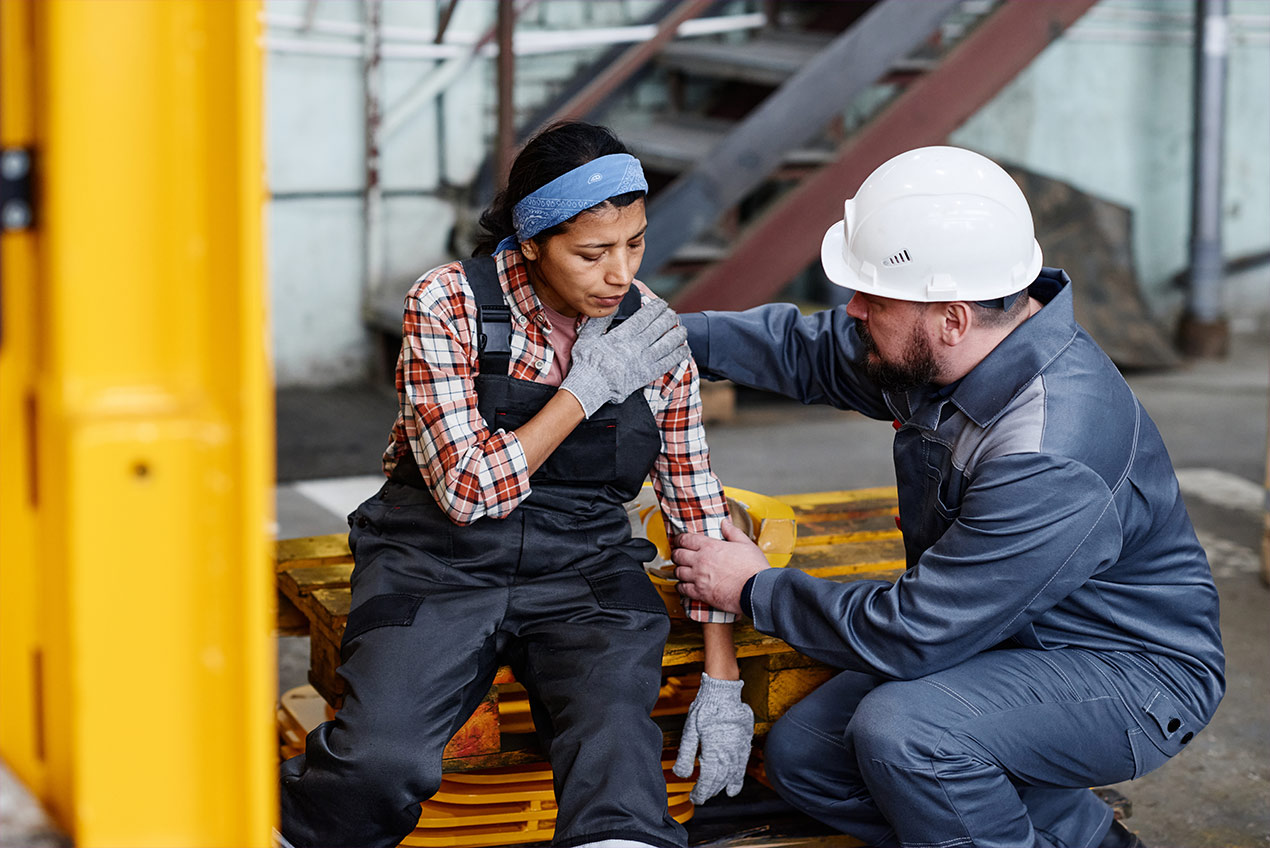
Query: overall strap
(629, 305)
(493, 315)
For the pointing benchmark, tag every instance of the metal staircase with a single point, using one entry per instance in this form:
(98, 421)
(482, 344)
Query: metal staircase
(764, 136)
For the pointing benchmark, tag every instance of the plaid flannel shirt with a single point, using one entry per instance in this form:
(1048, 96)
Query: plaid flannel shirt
(474, 472)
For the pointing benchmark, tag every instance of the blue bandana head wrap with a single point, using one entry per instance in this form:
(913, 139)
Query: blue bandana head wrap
(570, 193)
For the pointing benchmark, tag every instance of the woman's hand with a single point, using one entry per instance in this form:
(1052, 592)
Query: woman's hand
(723, 726)
(608, 366)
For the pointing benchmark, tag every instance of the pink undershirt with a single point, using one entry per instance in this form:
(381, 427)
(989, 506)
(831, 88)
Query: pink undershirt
(564, 331)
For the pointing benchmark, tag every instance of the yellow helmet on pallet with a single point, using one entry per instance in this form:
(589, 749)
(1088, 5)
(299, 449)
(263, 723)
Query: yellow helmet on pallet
(767, 521)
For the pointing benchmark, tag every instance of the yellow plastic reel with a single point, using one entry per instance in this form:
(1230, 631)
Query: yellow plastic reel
(767, 521)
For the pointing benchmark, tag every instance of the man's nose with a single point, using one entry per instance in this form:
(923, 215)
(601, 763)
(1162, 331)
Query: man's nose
(857, 308)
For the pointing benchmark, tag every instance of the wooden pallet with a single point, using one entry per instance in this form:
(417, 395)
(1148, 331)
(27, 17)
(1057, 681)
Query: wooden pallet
(842, 536)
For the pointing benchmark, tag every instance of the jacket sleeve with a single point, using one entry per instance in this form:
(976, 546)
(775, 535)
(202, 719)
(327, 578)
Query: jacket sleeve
(816, 358)
(1032, 530)
(472, 472)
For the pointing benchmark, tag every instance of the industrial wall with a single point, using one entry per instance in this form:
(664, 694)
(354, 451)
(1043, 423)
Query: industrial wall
(1107, 107)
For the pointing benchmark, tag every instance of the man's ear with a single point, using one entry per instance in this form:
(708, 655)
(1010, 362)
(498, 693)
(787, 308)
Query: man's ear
(955, 320)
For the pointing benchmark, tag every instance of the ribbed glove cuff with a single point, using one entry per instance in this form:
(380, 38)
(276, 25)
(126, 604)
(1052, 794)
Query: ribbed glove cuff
(716, 691)
(588, 387)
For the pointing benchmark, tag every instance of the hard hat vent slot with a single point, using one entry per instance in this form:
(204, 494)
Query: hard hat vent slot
(898, 259)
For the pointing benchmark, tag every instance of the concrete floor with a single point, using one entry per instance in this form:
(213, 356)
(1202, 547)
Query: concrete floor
(1213, 416)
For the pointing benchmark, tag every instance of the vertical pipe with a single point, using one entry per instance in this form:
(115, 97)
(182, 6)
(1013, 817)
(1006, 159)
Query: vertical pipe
(372, 209)
(506, 86)
(1265, 525)
(1204, 331)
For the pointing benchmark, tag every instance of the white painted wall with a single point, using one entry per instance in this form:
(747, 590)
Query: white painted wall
(315, 165)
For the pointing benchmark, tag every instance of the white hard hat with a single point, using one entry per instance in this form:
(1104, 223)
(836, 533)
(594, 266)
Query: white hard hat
(934, 224)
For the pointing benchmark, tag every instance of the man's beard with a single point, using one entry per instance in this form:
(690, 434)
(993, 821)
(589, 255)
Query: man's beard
(917, 368)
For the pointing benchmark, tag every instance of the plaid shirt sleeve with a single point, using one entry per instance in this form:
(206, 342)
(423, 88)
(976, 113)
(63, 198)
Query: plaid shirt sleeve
(690, 494)
(472, 471)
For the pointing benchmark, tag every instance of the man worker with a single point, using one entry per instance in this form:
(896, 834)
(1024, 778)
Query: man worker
(1056, 626)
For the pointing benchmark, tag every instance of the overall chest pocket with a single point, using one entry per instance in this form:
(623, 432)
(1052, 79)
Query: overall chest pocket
(587, 455)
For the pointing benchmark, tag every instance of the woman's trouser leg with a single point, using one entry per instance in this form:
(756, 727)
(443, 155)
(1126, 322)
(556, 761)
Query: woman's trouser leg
(415, 672)
(593, 673)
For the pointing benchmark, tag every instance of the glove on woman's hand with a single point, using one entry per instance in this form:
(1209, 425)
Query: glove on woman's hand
(724, 725)
(608, 366)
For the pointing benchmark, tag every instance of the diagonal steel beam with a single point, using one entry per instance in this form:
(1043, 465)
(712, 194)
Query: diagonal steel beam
(787, 238)
(790, 117)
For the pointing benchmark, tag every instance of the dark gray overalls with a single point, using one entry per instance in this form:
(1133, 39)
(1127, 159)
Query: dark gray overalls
(555, 589)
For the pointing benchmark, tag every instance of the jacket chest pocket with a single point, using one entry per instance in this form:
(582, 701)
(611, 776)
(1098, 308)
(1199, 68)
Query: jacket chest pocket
(945, 485)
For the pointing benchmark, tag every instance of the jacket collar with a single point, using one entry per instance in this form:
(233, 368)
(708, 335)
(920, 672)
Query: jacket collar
(512, 270)
(986, 391)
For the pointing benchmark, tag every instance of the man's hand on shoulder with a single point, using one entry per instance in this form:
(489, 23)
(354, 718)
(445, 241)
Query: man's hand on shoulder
(715, 571)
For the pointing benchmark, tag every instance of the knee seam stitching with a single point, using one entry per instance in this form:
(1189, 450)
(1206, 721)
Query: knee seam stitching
(816, 732)
(954, 695)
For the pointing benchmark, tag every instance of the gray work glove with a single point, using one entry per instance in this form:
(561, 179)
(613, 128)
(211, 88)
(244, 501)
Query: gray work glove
(724, 725)
(608, 366)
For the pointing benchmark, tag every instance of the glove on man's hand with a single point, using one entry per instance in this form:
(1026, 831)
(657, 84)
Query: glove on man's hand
(725, 727)
(608, 366)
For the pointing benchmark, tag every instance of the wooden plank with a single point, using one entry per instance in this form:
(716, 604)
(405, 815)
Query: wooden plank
(304, 580)
(821, 559)
(853, 537)
(291, 621)
(324, 659)
(480, 733)
(312, 551)
(774, 683)
(843, 498)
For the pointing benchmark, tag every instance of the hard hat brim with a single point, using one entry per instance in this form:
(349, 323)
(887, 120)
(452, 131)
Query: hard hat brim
(831, 258)
(837, 269)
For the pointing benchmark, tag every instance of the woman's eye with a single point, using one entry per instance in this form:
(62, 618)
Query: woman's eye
(593, 258)
(635, 245)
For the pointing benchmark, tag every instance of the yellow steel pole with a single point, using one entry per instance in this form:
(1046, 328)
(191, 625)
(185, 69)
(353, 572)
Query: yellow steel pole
(21, 713)
(152, 421)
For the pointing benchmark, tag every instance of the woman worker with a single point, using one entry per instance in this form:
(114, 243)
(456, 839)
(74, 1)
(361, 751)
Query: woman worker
(501, 535)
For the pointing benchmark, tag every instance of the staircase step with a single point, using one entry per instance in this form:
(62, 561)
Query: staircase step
(701, 251)
(769, 58)
(675, 143)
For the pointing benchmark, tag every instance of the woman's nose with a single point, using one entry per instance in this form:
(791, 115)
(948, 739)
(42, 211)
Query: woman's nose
(619, 271)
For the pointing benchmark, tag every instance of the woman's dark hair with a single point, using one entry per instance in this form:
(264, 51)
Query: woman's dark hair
(555, 151)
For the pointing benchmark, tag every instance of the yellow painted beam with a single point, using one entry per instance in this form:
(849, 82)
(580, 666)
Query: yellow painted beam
(21, 715)
(153, 412)
(810, 500)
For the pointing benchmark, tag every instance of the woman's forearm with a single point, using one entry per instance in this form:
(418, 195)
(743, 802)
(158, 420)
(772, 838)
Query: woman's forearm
(720, 651)
(543, 433)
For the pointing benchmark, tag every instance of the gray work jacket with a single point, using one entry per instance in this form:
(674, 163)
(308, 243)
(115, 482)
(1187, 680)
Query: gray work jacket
(1037, 502)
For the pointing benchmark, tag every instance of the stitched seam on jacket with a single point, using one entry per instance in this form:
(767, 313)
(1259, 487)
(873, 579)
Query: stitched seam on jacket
(1133, 449)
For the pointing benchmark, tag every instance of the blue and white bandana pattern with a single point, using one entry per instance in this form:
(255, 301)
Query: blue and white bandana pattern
(571, 193)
